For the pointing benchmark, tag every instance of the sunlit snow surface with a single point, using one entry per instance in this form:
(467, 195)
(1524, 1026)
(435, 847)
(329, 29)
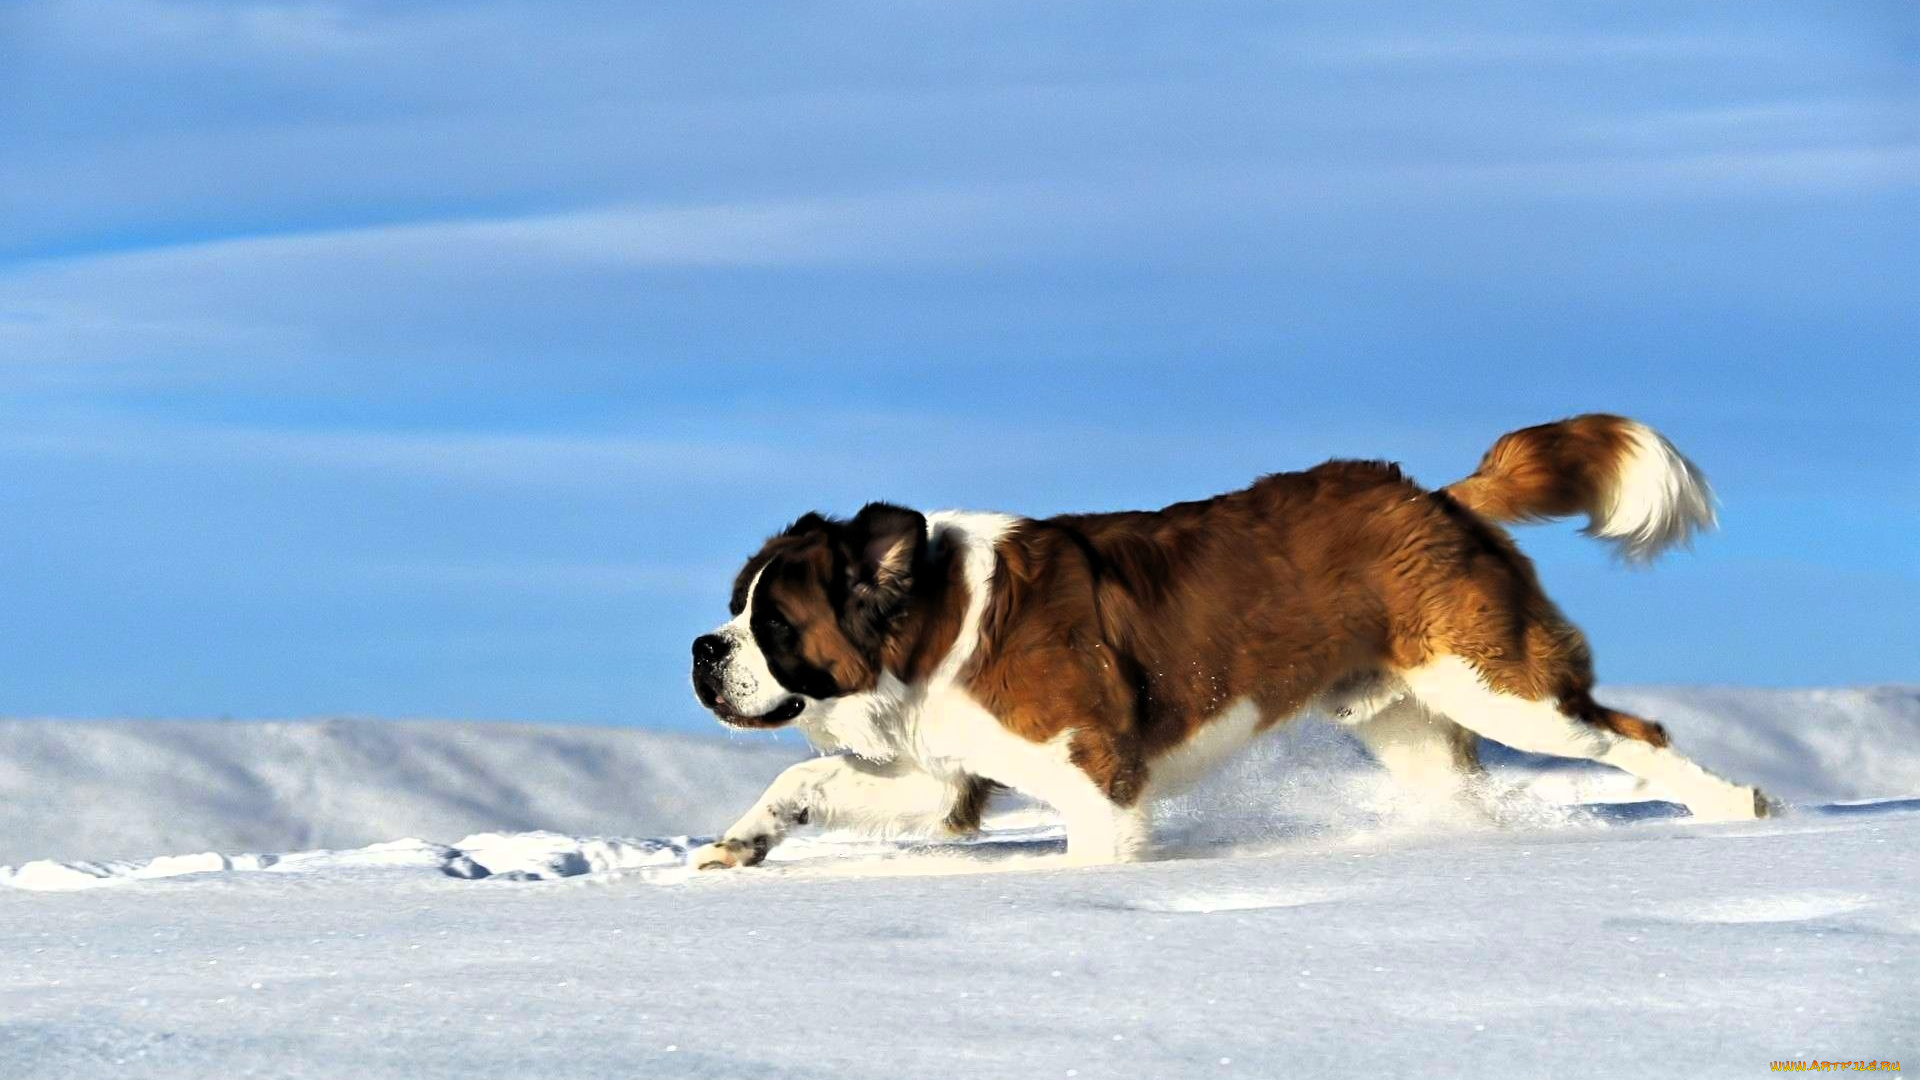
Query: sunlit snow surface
(1302, 922)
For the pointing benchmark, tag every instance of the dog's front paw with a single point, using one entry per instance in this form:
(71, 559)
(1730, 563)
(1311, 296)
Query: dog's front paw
(1734, 804)
(730, 852)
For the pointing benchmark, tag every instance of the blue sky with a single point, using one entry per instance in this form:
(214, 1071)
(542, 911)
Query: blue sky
(444, 359)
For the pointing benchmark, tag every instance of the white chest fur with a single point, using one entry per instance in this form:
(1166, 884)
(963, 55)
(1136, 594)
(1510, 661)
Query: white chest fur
(941, 730)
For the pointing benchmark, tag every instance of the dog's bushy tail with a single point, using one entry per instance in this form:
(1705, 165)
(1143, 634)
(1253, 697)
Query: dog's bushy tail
(1637, 491)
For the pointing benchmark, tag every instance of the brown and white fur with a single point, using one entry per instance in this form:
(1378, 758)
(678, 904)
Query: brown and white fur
(1099, 661)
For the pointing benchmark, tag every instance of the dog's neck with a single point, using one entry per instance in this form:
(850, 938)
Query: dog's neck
(939, 634)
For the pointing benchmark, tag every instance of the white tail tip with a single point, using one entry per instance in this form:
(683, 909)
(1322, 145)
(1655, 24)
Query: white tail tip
(1658, 499)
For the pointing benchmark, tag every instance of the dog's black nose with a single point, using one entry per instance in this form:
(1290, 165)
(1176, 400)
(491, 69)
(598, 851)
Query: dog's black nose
(710, 649)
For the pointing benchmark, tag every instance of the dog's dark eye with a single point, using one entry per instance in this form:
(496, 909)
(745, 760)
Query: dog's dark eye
(777, 624)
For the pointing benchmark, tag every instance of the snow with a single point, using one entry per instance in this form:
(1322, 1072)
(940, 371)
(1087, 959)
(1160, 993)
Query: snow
(131, 788)
(1303, 921)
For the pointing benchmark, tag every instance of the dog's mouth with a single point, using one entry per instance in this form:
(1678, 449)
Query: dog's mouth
(784, 713)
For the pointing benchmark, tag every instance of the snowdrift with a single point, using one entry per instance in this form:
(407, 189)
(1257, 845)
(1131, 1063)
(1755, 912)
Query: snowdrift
(120, 790)
(84, 789)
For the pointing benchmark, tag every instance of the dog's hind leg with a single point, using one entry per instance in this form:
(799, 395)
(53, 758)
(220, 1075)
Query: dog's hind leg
(847, 792)
(1430, 756)
(1575, 726)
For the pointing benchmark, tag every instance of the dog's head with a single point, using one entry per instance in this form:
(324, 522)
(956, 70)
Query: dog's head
(813, 612)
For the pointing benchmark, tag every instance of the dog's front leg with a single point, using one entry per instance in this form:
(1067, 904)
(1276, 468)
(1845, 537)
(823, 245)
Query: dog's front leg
(837, 792)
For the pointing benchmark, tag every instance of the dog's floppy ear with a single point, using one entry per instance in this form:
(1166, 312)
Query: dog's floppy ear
(806, 523)
(887, 545)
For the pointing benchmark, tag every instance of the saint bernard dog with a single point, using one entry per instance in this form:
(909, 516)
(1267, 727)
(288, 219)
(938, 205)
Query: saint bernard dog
(1097, 662)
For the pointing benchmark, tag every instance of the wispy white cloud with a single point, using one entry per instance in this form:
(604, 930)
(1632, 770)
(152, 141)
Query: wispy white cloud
(1658, 178)
(1540, 48)
(1769, 126)
(178, 312)
(885, 227)
(696, 235)
(983, 219)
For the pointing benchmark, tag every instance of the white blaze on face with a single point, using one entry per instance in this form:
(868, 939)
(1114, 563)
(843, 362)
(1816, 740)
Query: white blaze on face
(745, 679)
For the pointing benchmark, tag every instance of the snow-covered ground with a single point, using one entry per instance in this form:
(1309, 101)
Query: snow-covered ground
(1303, 922)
